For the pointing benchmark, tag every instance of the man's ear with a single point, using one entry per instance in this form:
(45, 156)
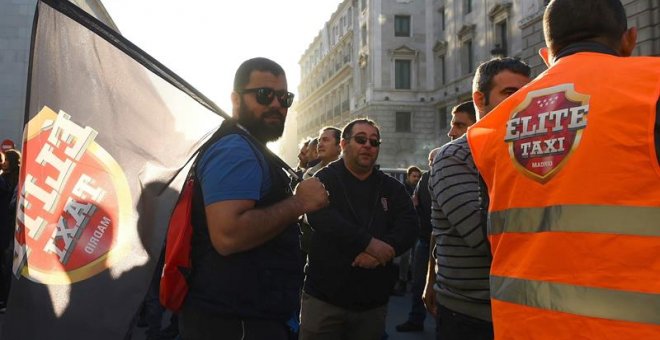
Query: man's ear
(544, 52)
(479, 100)
(342, 144)
(628, 42)
(235, 103)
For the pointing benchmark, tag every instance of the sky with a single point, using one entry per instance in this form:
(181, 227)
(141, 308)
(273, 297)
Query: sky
(204, 41)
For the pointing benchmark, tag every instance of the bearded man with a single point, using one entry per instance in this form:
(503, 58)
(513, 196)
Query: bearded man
(246, 276)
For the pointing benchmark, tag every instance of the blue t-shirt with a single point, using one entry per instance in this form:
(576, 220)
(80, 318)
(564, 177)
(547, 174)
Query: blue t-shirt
(232, 169)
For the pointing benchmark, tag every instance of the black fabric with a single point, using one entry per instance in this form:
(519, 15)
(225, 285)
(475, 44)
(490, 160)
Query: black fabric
(452, 325)
(340, 234)
(657, 130)
(261, 283)
(361, 195)
(196, 325)
(7, 228)
(585, 46)
(484, 202)
(424, 207)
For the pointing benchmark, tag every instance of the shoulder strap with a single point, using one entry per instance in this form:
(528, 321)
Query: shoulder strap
(230, 126)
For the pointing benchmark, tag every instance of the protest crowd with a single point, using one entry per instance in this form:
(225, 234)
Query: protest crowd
(514, 232)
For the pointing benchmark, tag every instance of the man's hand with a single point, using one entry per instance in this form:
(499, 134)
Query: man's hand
(364, 260)
(429, 299)
(311, 195)
(382, 251)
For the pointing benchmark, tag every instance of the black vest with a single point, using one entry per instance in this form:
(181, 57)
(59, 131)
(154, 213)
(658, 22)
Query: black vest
(263, 282)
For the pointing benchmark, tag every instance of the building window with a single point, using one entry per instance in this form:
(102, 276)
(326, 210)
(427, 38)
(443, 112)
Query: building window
(467, 6)
(364, 35)
(403, 121)
(442, 18)
(443, 77)
(501, 39)
(442, 117)
(468, 57)
(402, 25)
(402, 74)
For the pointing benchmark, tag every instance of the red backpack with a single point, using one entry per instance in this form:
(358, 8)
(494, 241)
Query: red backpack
(177, 267)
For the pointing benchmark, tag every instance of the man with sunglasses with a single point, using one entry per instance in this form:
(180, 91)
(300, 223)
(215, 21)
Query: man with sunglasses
(349, 270)
(245, 282)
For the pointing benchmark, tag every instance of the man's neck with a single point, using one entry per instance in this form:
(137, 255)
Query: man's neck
(359, 173)
(326, 162)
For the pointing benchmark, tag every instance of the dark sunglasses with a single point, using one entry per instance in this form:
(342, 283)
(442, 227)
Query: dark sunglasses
(363, 140)
(265, 96)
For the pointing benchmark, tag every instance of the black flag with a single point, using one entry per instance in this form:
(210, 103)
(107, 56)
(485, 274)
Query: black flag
(109, 132)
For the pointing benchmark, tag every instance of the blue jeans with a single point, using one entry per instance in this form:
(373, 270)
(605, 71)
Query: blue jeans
(420, 266)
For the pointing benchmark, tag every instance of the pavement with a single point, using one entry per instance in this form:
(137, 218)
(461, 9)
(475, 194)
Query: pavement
(397, 313)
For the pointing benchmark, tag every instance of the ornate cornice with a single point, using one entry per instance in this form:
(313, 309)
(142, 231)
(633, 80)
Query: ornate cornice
(499, 9)
(440, 47)
(466, 32)
(403, 51)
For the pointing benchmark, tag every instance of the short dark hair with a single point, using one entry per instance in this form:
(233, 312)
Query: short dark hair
(467, 107)
(244, 71)
(412, 169)
(313, 141)
(570, 21)
(13, 158)
(348, 129)
(335, 132)
(483, 77)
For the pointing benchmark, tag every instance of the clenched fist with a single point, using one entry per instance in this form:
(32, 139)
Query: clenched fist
(311, 195)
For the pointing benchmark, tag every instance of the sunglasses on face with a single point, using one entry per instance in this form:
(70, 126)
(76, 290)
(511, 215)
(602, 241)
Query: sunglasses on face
(362, 140)
(265, 96)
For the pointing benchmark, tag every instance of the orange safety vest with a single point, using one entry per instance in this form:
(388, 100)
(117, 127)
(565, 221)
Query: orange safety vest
(574, 215)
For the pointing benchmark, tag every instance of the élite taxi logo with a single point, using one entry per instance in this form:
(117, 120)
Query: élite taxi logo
(545, 129)
(73, 201)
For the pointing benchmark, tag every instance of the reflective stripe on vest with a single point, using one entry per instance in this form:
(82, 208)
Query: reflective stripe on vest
(638, 221)
(580, 300)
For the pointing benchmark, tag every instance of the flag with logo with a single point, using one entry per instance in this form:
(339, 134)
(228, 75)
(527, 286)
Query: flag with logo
(109, 132)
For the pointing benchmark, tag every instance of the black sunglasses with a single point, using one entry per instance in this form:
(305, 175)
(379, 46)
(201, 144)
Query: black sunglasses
(265, 96)
(363, 140)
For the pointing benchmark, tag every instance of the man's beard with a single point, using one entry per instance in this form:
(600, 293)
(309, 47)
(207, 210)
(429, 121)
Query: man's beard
(258, 127)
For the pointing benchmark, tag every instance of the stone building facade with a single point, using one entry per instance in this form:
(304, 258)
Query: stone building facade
(406, 63)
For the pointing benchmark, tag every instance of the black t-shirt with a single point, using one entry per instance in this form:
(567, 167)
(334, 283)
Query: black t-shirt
(657, 130)
(362, 195)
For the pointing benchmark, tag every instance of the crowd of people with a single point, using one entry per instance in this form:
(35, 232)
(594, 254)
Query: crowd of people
(474, 260)
(538, 220)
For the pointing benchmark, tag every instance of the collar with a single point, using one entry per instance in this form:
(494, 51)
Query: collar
(585, 46)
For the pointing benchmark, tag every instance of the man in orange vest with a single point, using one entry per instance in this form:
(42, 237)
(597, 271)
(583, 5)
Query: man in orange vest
(571, 163)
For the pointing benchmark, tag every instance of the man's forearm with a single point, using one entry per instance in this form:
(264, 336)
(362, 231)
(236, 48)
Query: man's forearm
(252, 227)
(429, 294)
(430, 271)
